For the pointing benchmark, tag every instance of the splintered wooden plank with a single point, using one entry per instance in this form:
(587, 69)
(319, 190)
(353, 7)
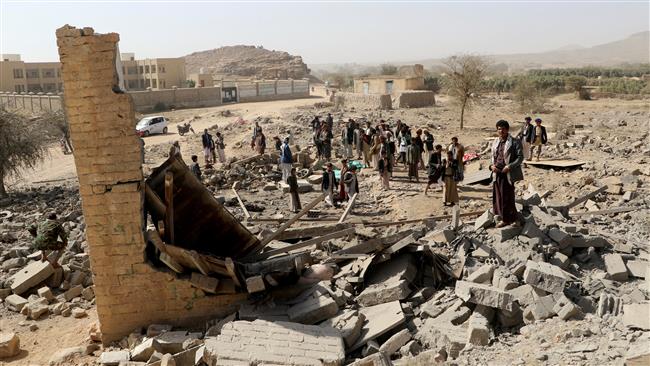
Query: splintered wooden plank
(586, 197)
(171, 262)
(347, 209)
(241, 203)
(306, 243)
(380, 319)
(232, 272)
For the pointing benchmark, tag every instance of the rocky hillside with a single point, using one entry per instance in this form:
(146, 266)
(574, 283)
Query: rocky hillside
(247, 61)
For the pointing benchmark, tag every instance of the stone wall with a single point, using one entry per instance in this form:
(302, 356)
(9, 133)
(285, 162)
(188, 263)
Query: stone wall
(145, 101)
(415, 99)
(371, 101)
(260, 91)
(130, 293)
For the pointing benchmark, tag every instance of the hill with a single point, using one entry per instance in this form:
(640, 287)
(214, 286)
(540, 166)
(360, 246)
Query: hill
(247, 61)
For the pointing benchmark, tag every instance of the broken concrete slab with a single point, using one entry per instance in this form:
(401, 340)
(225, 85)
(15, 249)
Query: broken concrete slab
(531, 230)
(479, 331)
(30, 276)
(482, 275)
(484, 221)
(205, 283)
(313, 310)
(503, 279)
(506, 233)
(15, 302)
(565, 308)
(113, 358)
(389, 282)
(638, 268)
(9, 345)
(484, 295)
(143, 351)
(379, 320)
(172, 341)
(539, 310)
(559, 260)
(637, 316)
(544, 276)
(616, 268)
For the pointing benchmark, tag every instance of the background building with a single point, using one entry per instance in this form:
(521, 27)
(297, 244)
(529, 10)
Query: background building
(20, 76)
(157, 73)
(407, 78)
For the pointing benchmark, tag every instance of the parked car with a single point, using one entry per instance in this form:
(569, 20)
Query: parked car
(150, 125)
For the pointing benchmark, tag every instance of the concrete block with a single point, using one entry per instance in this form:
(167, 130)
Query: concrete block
(586, 241)
(389, 282)
(638, 268)
(544, 276)
(541, 309)
(73, 292)
(479, 330)
(395, 342)
(15, 302)
(532, 199)
(531, 230)
(9, 345)
(506, 233)
(566, 309)
(482, 275)
(30, 276)
(315, 309)
(508, 319)
(503, 279)
(36, 309)
(560, 260)
(484, 221)
(45, 293)
(616, 268)
(113, 358)
(483, 295)
(562, 238)
(88, 293)
(171, 342)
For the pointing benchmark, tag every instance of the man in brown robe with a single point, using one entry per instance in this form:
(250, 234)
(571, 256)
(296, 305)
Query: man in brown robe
(507, 156)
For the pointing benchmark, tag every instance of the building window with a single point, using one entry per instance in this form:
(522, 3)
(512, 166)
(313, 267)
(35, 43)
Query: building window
(49, 87)
(19, 88)
(141, 69)
(58, 73)
(32, 73)
(141, 83)
(133, 84)
(153, 69)
(146, 69)
(34, 88)
(18, 74)
(60, 87)
(123, 70)
(154, 83)
(161, 68)
(132, 70)
(48, 73)
(147, 83)
(163, 84)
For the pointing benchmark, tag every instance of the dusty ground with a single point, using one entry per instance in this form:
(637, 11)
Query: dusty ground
(610, 127)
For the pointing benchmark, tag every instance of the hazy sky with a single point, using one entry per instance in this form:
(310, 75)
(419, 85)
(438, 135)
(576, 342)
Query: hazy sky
(325, 32)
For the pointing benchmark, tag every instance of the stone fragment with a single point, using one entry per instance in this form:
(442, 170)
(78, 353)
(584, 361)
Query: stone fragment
(172, 341)
(349, 324)
(484, 221)
(15, 302)
(113, 358)
(479, 331)
(615, 267)
(532, 231)
(79, 313)
(395, 342)
(143, 351)
(30, 276)
(9, 345)
(410, 349)
(507, 319)
(389, 282)
(482, 275)
(565, 308)
(503, 279)
(73, 292)
(46, 293)
(36, 309)
(167, 360)
(544, 276)
(483, 295)
(539, 310)
(380, 319)
(560, 260)
(506, 233)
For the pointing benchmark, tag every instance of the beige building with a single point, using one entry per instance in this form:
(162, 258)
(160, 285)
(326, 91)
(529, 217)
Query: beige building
(201, 80)
(407, 78)
(154, 73)
(20, 76)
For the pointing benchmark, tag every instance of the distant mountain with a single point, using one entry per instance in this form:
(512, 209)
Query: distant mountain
(247, 61)
(632, 50)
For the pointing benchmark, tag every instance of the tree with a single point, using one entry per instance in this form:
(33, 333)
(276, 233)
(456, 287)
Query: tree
(576, 84)
(388, 69)
(528, 96)
(57, 121)
(190, 83)
(21, 146)
(464, 75)
(432, 83)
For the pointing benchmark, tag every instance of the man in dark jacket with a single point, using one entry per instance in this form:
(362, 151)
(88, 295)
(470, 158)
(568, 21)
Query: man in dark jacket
(507, 156)
(286, 159)
(328, 185)
(538, 138)
(525, 135)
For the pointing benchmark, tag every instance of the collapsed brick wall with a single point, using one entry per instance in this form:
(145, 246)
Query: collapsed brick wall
(415, 99)
(370, 101)
(130, 293)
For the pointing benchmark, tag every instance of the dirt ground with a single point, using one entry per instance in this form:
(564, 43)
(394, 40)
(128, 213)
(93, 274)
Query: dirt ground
(609, 126)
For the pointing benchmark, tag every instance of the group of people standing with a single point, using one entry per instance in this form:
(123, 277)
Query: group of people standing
(532, 137)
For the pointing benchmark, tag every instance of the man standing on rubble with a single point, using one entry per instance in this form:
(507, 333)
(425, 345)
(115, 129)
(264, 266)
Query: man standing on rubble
(507, 156)
(207, 142)
(413, 156)
(328, 184)
(286, 159)
(538, 138)
(347, 135)
(458, 152)
(329, 122)
(525, 135)
(294, 197)
(46, 238)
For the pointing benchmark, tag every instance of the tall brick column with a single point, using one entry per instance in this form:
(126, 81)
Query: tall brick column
(130, 293)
